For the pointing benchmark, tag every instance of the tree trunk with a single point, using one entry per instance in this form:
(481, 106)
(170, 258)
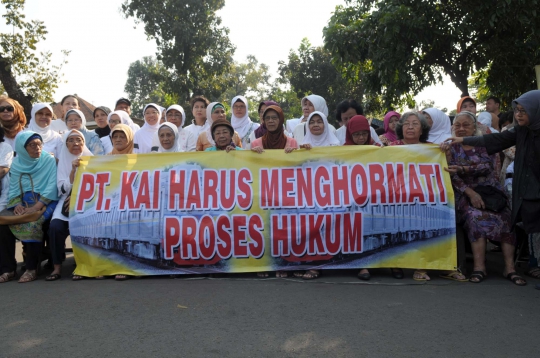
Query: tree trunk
(12, 87)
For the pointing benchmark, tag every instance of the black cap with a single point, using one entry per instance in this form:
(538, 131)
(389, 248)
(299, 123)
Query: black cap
(124, 100)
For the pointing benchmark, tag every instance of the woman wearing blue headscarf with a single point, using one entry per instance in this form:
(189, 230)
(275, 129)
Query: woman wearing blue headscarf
(32, 190)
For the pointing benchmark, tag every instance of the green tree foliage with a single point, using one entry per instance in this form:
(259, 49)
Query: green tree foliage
(26, 75)
(310, 70)
(191, 44)
(405, 46)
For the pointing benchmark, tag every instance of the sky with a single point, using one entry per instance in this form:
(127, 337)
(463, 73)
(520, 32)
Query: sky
(103, 43)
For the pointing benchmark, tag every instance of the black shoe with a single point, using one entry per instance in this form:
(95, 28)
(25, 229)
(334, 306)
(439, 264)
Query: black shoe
(397, 273)
(364, 276)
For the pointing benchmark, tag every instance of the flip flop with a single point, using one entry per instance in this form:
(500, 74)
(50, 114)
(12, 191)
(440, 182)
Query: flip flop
(451, 276)
(514, 277)
(77, 278)
(420, 276)
(53, 277)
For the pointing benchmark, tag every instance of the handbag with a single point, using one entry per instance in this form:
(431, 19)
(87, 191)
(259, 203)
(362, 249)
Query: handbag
(8, 217)
(65, 210)
(493, 198)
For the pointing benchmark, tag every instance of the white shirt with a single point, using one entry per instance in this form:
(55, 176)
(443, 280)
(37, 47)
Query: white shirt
(6, 157)
(292, 123)
(59, 126)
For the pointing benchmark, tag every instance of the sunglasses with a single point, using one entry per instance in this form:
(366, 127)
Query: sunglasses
(8, 108)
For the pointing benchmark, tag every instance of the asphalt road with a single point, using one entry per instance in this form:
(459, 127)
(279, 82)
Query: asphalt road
(241, 316)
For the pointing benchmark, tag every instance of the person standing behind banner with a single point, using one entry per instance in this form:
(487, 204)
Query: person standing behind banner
(67, 103)
(32, 190)
(439, 123)
(185, 140)
(12, 118)
(73, 148)
(390, 122)
(310, 104)
(214, 112)
(344, 112)
(222, 135)
(198, 110)
(113, 119)
(124, 104)
(100, 117)
(75, 119)
(242, 124)
(40, 122)
(143, 138)
(122, 139)
(6, 157)
(259, 132)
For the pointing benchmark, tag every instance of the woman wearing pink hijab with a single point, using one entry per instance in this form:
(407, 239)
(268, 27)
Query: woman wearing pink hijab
(390, 121)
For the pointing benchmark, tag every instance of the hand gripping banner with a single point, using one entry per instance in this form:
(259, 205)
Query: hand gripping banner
(208, 212)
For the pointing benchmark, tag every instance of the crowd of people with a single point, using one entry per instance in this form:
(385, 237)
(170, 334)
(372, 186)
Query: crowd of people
(493, 160)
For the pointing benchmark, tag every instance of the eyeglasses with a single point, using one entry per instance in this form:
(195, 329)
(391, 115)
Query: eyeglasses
(35, 145)
(413, 124)
(8, 108)
(75, 140)
(273, 118)
(516, 111)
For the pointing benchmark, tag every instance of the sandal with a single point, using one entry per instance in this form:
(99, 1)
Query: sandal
(263, 274)
(28, 277)
(299, 274)
(53, 277)
(397, 273)
(364, 276)
(455, 276)
(282, 274)
(420, 275)
(477, 277)
(6, 277)
(534, 272)
(77, 278)
(515, 278)
(311, 274)
(121, 277)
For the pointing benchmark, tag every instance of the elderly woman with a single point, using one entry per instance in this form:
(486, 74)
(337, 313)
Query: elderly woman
(6, 157)
(185, 140)
(214, 112)
(473, 173)
(114, 118)
(75, 119)
(73, 148)
(526, 180)
(319, 132)
(12, 118)
(310, 104)
(222, 136)
(390, 122)
(40, 122)
(412, 128)
(67, 103)
(122, 140)
(143, 138)
(439, 123)
(32, 190)
(259, 132)
(167, 137)
(242, 124)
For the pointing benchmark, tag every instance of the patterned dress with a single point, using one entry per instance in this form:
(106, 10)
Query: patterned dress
(477, 222)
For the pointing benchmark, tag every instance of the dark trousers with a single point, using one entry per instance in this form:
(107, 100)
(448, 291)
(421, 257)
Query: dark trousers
(58, 233)
(8, 263)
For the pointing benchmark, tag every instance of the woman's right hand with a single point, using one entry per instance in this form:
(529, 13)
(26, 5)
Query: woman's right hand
(75, 164)
(475, 199)
(257, 150)
(306, 146)
(19, 210)
(447, 144)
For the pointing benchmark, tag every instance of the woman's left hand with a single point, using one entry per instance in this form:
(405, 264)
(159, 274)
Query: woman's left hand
(452, 169)
(75, 164)
(229, 148)
(289, 150)
(19, 210)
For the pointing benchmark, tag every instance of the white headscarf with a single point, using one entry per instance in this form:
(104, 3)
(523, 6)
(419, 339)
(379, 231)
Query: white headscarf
(147, 133)
(124, 117)
(179, 109)
(326, 139)
(175, 147)
(154, 127)
(486, 119)
(46, 133)
(318, 102)
(241, 125)
(208, 124)
(65, 160)
(441, 129)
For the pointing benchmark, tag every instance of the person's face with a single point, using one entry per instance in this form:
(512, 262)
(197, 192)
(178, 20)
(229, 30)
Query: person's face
(463, 126)
(429, 120)
(199, 110)
(123, 106)
(115, 119)
(8, 111)
(261, 112)
(522, 118)
(271, 119)
(360, 137)
(412, 129)
(491, 105)
(101, 118)
(316, 125)
(175, 117)
(73, 121)
(348, 114)
(43, 117)
(151, 116)
(119, 140)
(34, 148)
(75, 145)
(222, 136)
(239, 109)
(307, 108)
(166, 137)
(218, 114)
(392, 123)
(468, 106)
(70, 103)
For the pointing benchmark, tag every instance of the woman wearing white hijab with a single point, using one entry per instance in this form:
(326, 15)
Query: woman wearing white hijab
(167, 138)
(242, 124)
(310, 104)
(144, 137)
(486, 119)
(318, 132)
(186, 140)
(40, 122)
(73, 148)
(75, 119)
(441, 127)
